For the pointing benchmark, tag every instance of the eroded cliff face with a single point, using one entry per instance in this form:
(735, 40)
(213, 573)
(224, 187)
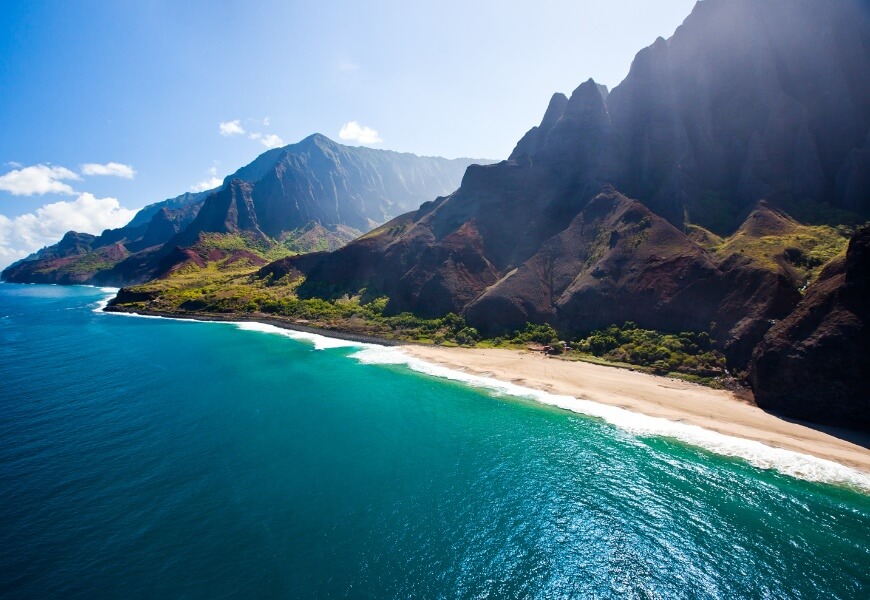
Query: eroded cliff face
(815, 363)
(583, 226)
(615, 261)
(748, 100)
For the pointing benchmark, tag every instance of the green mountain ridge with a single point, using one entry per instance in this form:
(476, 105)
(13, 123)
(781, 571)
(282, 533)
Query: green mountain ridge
(315, 194)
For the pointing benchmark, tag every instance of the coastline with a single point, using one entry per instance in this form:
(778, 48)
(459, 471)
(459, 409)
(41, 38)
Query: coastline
(258, 318)
(717, 420)
(674, 400)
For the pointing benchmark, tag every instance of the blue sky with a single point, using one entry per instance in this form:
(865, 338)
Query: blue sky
(108, 106)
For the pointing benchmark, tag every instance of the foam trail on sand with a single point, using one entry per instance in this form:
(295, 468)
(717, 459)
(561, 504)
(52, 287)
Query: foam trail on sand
(795, 464)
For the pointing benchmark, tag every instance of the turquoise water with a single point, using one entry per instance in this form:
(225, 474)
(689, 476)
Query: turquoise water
(144, 458)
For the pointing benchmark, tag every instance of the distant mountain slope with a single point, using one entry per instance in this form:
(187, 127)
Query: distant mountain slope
(320, 181)
(80, 257)
(750, 100)
(319, 191)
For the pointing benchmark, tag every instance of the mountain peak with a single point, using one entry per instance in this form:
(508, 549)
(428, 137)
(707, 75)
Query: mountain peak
(587, 96)
(318, 138)
(555, 110)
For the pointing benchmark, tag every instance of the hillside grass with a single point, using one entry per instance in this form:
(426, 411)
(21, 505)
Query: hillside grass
(800, 251)
(218, 290)
(84, 265)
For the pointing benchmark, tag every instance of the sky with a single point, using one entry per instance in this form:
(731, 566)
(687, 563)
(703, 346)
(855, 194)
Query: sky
(106, 107)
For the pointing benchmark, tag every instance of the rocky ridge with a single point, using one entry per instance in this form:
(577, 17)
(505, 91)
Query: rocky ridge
(318, 191)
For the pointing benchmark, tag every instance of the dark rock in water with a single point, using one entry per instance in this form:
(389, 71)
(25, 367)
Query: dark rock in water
(126, 296)
(815, 363)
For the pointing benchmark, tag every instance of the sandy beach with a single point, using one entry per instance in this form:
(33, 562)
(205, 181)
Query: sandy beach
(716, 410)
(677, 401)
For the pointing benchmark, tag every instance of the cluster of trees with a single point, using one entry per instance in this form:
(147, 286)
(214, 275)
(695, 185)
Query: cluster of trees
(537, 334)
(688, 352)
(450, 329)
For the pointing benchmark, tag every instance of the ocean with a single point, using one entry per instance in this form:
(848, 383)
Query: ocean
(152, 458)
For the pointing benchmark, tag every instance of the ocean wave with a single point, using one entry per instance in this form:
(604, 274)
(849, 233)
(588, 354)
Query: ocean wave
(789, 462)
(321, 342)
(762, 456)
(110, 292)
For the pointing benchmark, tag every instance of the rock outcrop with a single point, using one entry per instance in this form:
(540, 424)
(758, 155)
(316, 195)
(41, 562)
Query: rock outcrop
(815, 363)
(583, 226)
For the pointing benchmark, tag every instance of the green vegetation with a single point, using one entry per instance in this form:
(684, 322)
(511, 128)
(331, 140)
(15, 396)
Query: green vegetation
(313, 237)
(687, 353)
(799, 251)
(84, 265)
(806, 249)
(220, 278)
(230, 243)
(212, 291)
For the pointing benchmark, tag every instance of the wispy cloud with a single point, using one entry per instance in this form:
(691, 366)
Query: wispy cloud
(270, 140)
(112, 169)
(206, 184)
(38, 179)
(210, 182)
(233, 128)
(352, 131)
(21, 235)
(230, 128)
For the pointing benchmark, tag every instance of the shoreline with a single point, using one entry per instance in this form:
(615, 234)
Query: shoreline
(265, 320)
(671, 407)
(674, 400)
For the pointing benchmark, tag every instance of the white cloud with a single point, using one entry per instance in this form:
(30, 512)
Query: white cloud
(229, 128)
(206, 184)
(352, 131)
(114, 169)
(38, 179)
(21, 235)
(269, 140)
(210, 182)
(347, 66)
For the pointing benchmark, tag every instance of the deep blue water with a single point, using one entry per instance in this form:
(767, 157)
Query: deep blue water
(144, 458)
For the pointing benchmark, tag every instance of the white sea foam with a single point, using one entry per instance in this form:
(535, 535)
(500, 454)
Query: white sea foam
(795, 464)
(102, 304)
(321, 342)
(760, 455)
